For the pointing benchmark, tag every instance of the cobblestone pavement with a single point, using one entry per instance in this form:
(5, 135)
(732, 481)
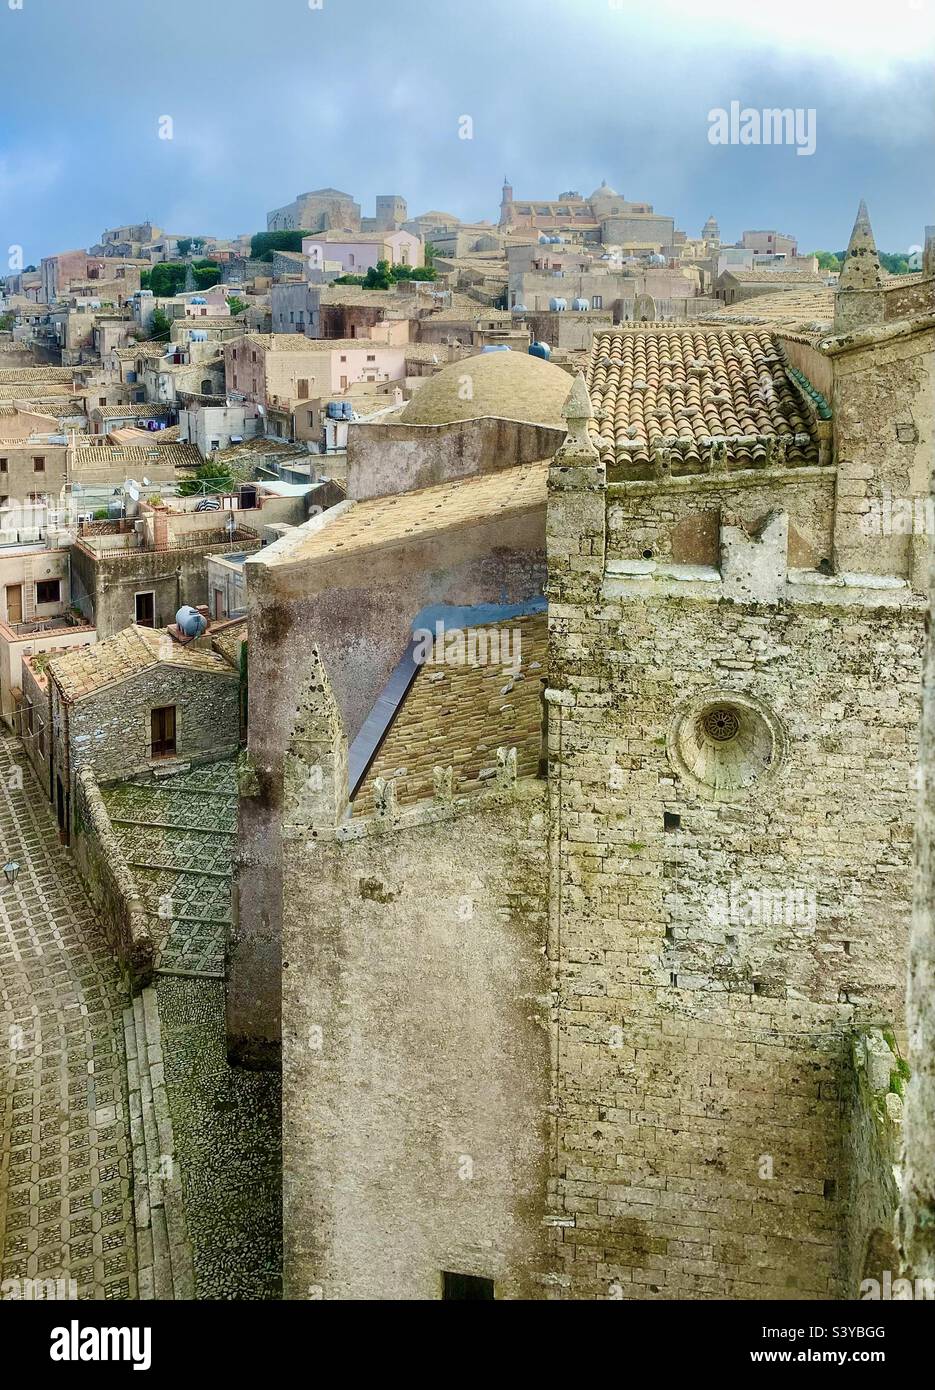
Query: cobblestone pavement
(65, 1183)
(178, 838)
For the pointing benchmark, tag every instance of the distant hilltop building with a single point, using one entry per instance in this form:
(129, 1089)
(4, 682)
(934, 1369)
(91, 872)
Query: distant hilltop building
(330, 210)
(324, 210)
(606, 217)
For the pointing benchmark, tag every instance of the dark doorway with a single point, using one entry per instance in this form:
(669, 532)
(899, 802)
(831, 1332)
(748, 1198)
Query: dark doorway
(163, 731)
(458, 1286)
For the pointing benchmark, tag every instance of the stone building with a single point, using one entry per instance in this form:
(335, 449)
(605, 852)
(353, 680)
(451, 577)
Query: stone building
(134, 703)
(323, 210)
(604, 217)
(590, 953)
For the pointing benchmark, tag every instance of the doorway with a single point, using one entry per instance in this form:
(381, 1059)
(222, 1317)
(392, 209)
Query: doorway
(162, 726)
(14, 603)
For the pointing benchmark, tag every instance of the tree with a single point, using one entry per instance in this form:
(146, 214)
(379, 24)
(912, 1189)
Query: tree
(379, 276)
(209, 479)
(166, 279)
(185, 245)
(6, 322)
(827, 260)
(206, 273)
(236, 306)
(160, 326)
(263, 244)
(430, 253)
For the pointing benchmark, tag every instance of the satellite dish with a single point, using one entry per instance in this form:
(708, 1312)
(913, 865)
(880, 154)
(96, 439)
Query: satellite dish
(146, 482)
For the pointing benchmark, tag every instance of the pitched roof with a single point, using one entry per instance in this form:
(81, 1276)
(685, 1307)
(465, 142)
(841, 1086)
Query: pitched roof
(778, 277)
(456, 714)
(386, 521)
(88, 669)
(684, 389)
(503, 385)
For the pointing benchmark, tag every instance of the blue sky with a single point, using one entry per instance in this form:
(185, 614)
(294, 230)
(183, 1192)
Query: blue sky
(272, 97)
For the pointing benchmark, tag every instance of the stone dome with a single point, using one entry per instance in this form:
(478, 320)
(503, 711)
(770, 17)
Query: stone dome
(605, 191)
(505, 385)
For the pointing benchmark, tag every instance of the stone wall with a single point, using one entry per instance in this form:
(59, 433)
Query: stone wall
(873, 1107)
(416, 1052)
(110, 883)
(387, 459)
(110, 732)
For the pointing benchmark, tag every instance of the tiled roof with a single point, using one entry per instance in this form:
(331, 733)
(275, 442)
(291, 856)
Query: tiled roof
(808, 304)
(104, 455)
(684, 389)
(147, 411)
(780, 277)
(88, 669)
(28, 375)
(384, 521)
(457, 715)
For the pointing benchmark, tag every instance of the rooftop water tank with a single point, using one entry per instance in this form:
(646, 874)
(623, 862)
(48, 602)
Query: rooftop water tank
(581, 305)
(542, 350)
(347, 410)
(199, 335)
(190, 622)
(555, 240)
(520, 309)
(198, 299)
(114, 508)
(496, 347)
(557, 305)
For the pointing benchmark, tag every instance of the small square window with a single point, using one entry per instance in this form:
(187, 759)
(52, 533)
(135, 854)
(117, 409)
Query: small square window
(48, 590)
(4, 465)
(38, 465)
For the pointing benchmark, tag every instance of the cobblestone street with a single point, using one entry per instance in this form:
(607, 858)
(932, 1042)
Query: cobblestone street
(65, 1184)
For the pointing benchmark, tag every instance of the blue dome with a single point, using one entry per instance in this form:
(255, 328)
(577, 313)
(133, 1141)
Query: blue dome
(540, 350)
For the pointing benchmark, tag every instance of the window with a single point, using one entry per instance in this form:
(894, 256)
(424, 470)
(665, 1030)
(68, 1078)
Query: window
(460, 1286)
(48, 591)
(162, 725)
(597, 301)
(102, 400)
(4, 465)
(371, 357)
(146, 609)
(38, 464)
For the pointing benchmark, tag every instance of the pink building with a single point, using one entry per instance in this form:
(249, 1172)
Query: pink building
(357, 254)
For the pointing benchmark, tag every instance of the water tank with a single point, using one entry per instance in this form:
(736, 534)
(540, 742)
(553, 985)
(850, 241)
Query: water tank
(347, 410)
(555, 240)
(334, 410)
(581, 305)
(115, 508)
(189, 621)
(520, 309)
(198, 335)
(198, 299)
(496, 347)
(543, 239)
(557, 305)
(540, 350)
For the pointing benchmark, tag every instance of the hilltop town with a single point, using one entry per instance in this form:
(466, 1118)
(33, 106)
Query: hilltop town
(461, 698)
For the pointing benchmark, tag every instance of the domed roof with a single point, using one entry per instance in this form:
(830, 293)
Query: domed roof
(605, 191)
(505, 385)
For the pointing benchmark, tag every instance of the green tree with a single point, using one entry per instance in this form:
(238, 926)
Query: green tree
(185, 245)
(430, 253)
(6, 322)
(206, 273)
(263, 244)
(209, 479)
(379, 276)
(166, 278)
(827, 260)
(236, 306)
(160, 327)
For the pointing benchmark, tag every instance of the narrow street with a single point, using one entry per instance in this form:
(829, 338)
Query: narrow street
(66, 1208)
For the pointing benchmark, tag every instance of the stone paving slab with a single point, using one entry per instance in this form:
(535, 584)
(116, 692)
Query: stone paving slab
(66, 1206)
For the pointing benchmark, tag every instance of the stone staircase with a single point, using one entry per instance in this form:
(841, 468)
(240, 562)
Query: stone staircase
(164, 1260)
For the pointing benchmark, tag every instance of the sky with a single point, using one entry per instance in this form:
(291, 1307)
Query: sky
(270, 98)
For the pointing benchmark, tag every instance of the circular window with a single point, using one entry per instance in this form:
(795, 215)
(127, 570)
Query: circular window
(722, 743)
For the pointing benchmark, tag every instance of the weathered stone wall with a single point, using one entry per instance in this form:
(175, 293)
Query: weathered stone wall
(679, 522)
(884, 413)
(359, 610)
(110, 883)
(703, 1027)
(386, 459)
(111, 731)
(416, 1053)
(872, 1092)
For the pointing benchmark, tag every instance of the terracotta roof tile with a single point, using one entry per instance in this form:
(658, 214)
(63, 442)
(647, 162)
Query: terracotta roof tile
(88, 669)
(688, 390)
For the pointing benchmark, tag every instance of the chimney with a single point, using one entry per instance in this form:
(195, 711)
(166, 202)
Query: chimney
(160, 529)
